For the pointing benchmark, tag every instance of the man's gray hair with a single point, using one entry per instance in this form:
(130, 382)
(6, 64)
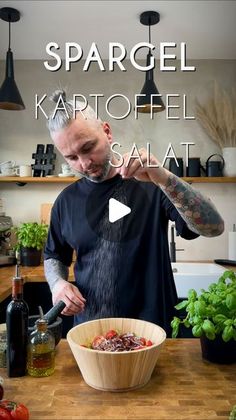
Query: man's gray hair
(62, 117)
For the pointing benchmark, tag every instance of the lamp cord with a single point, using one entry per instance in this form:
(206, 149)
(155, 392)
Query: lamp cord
(149, 24)
(9, 45)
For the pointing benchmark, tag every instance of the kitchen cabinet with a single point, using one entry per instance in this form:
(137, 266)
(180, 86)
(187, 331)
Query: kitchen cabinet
(183, 386)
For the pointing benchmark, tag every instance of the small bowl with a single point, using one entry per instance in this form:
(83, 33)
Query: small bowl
(116, 371)
(55, 327)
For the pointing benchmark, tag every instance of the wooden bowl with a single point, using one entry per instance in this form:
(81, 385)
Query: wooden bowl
(116, 371)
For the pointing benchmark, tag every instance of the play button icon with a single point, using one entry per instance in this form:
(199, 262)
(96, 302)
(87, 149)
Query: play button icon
(107, 211)
(117, 210)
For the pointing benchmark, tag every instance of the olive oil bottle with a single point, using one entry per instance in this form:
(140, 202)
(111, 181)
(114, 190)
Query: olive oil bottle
(41, 351)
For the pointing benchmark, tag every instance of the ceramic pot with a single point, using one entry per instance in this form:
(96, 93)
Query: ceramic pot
(218, 351)
(30, 257)
(194, 167)
(177, 170)
(229, 155)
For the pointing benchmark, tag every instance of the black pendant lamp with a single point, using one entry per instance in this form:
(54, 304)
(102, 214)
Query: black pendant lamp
(10, 97)
(149, 88)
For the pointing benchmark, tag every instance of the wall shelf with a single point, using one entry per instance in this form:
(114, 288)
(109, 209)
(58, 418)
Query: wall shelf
(31, 179)
(68, 180)
(211, 180)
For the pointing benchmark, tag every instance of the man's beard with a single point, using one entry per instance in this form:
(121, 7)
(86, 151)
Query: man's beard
(105, 168)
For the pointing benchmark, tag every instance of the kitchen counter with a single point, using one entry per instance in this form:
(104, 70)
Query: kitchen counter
(183, 386)
(36, 274)
(30, 275)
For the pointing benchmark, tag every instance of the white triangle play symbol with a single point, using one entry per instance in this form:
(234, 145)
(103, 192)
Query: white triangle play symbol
(117, 210)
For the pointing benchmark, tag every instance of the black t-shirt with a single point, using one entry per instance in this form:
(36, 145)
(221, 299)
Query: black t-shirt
(122, 268)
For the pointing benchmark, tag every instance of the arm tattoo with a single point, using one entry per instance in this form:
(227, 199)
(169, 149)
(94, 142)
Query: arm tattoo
(55, 270)
(197, 211)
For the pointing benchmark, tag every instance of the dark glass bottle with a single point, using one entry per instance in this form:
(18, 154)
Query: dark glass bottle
(17, 329)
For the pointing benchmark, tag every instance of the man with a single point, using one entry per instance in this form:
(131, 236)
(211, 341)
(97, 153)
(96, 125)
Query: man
(122, 268)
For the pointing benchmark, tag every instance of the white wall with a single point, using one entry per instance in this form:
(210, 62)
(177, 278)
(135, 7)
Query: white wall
(20, 132)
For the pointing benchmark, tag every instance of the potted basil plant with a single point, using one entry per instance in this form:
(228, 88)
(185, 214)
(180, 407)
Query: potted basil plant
(31, 237)
(212, 317)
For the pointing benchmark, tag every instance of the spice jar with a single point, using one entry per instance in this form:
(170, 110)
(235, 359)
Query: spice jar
(41, 351)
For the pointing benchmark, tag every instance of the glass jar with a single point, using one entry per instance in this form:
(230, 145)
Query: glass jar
(41, 351)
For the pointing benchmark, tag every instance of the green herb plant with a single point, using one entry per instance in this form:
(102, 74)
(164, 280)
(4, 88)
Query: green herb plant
(31, 235)
(232, 415)
(211, 313)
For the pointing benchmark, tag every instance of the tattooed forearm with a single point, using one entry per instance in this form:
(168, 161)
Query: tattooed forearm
(198, 212)
(55, 270)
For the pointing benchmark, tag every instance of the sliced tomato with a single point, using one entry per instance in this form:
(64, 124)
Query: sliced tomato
(143, 341)
(16, 411)
(111, 334)
(149, 343)
(98, 340)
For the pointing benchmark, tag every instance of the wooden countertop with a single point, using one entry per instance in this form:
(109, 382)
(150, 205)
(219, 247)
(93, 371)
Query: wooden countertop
(36, 274)
(30, 275)
(183, 386)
